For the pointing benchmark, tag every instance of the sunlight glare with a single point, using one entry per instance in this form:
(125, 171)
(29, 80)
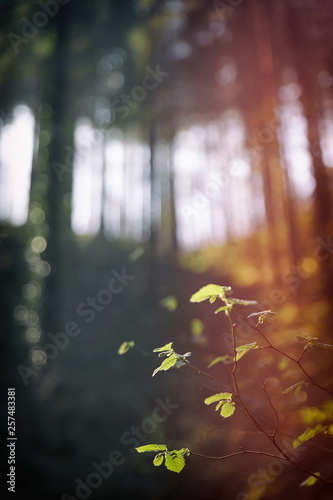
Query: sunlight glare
(16, 154)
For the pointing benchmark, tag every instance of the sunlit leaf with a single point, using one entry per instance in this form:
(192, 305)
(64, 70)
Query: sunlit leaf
(310, 480)
(223, 308)
(302, 337)
(219, 404)
(209, 292)
(170, 303)
(167, 364)
(197, 327)
(243, 349)
(166, 347)
(320, 344)
(158, 460)
(225, 359)
(125, 346)
(308, 434)
(262, 315)
(174, 461)
(227, 409)
(242, 302)
(151, 447)
(296, 386)
(218, 397)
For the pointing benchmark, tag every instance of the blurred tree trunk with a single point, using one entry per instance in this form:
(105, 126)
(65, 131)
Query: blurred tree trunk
(153, 240)
(308, 67)
(265, 141)
(281, 50)
(59, 182)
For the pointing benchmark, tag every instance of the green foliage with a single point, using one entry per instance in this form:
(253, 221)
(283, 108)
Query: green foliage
(170, 303)
(310, 480)
(197, 327)
(158, 460)
(225, 359)
(174, 460)
(225, 405)
(262, 316)
(313, 341)
(243, 349)
(211, 292)
(227, 409)
(151, 447)
(242, 302)
(126, 346)
(218, 397)
(296, 387)
(310, 433)
(171, 355)
(168, 363)
(227, 309)
(164, 350)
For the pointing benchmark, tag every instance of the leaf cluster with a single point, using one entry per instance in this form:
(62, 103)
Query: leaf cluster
(173, 460)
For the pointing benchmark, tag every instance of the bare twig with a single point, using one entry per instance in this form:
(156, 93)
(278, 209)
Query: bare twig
(273, 408)
(242, 452)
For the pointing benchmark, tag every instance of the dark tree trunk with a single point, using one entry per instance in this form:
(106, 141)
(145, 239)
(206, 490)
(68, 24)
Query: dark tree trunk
(58, 216)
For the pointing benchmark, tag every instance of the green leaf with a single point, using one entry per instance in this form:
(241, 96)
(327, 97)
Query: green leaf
(320, 344)
(242, 302)
(209, 292)
(302, 337)
(309, 433)
(125, 346)
(227, 409)
(167, 364)
(197, 327)
(310, 480)
(243, 349)
(170, 303)
(223, 308)
(174, 461)
(151, 447)
(295, 387)
(218, 397)
(219, 404)
(166, 347)
(262, 315)
(226, 359)
(158, 460)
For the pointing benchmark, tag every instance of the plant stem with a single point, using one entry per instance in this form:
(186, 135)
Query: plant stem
(297, 362)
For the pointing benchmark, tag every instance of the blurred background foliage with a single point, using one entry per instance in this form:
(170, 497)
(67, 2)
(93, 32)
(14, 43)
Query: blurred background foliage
(188, 142)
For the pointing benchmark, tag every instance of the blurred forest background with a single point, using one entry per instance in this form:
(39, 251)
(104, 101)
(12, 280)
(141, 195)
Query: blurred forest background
(180, 143)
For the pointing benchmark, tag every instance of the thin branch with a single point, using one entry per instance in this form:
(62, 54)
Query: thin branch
(242, 452)
(143, 352)
(273, 408)
(284, 354)
(207, 375)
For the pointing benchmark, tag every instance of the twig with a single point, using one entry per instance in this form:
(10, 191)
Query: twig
(297, 362)
(271, 405)
(242, 452)
(207, 375)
